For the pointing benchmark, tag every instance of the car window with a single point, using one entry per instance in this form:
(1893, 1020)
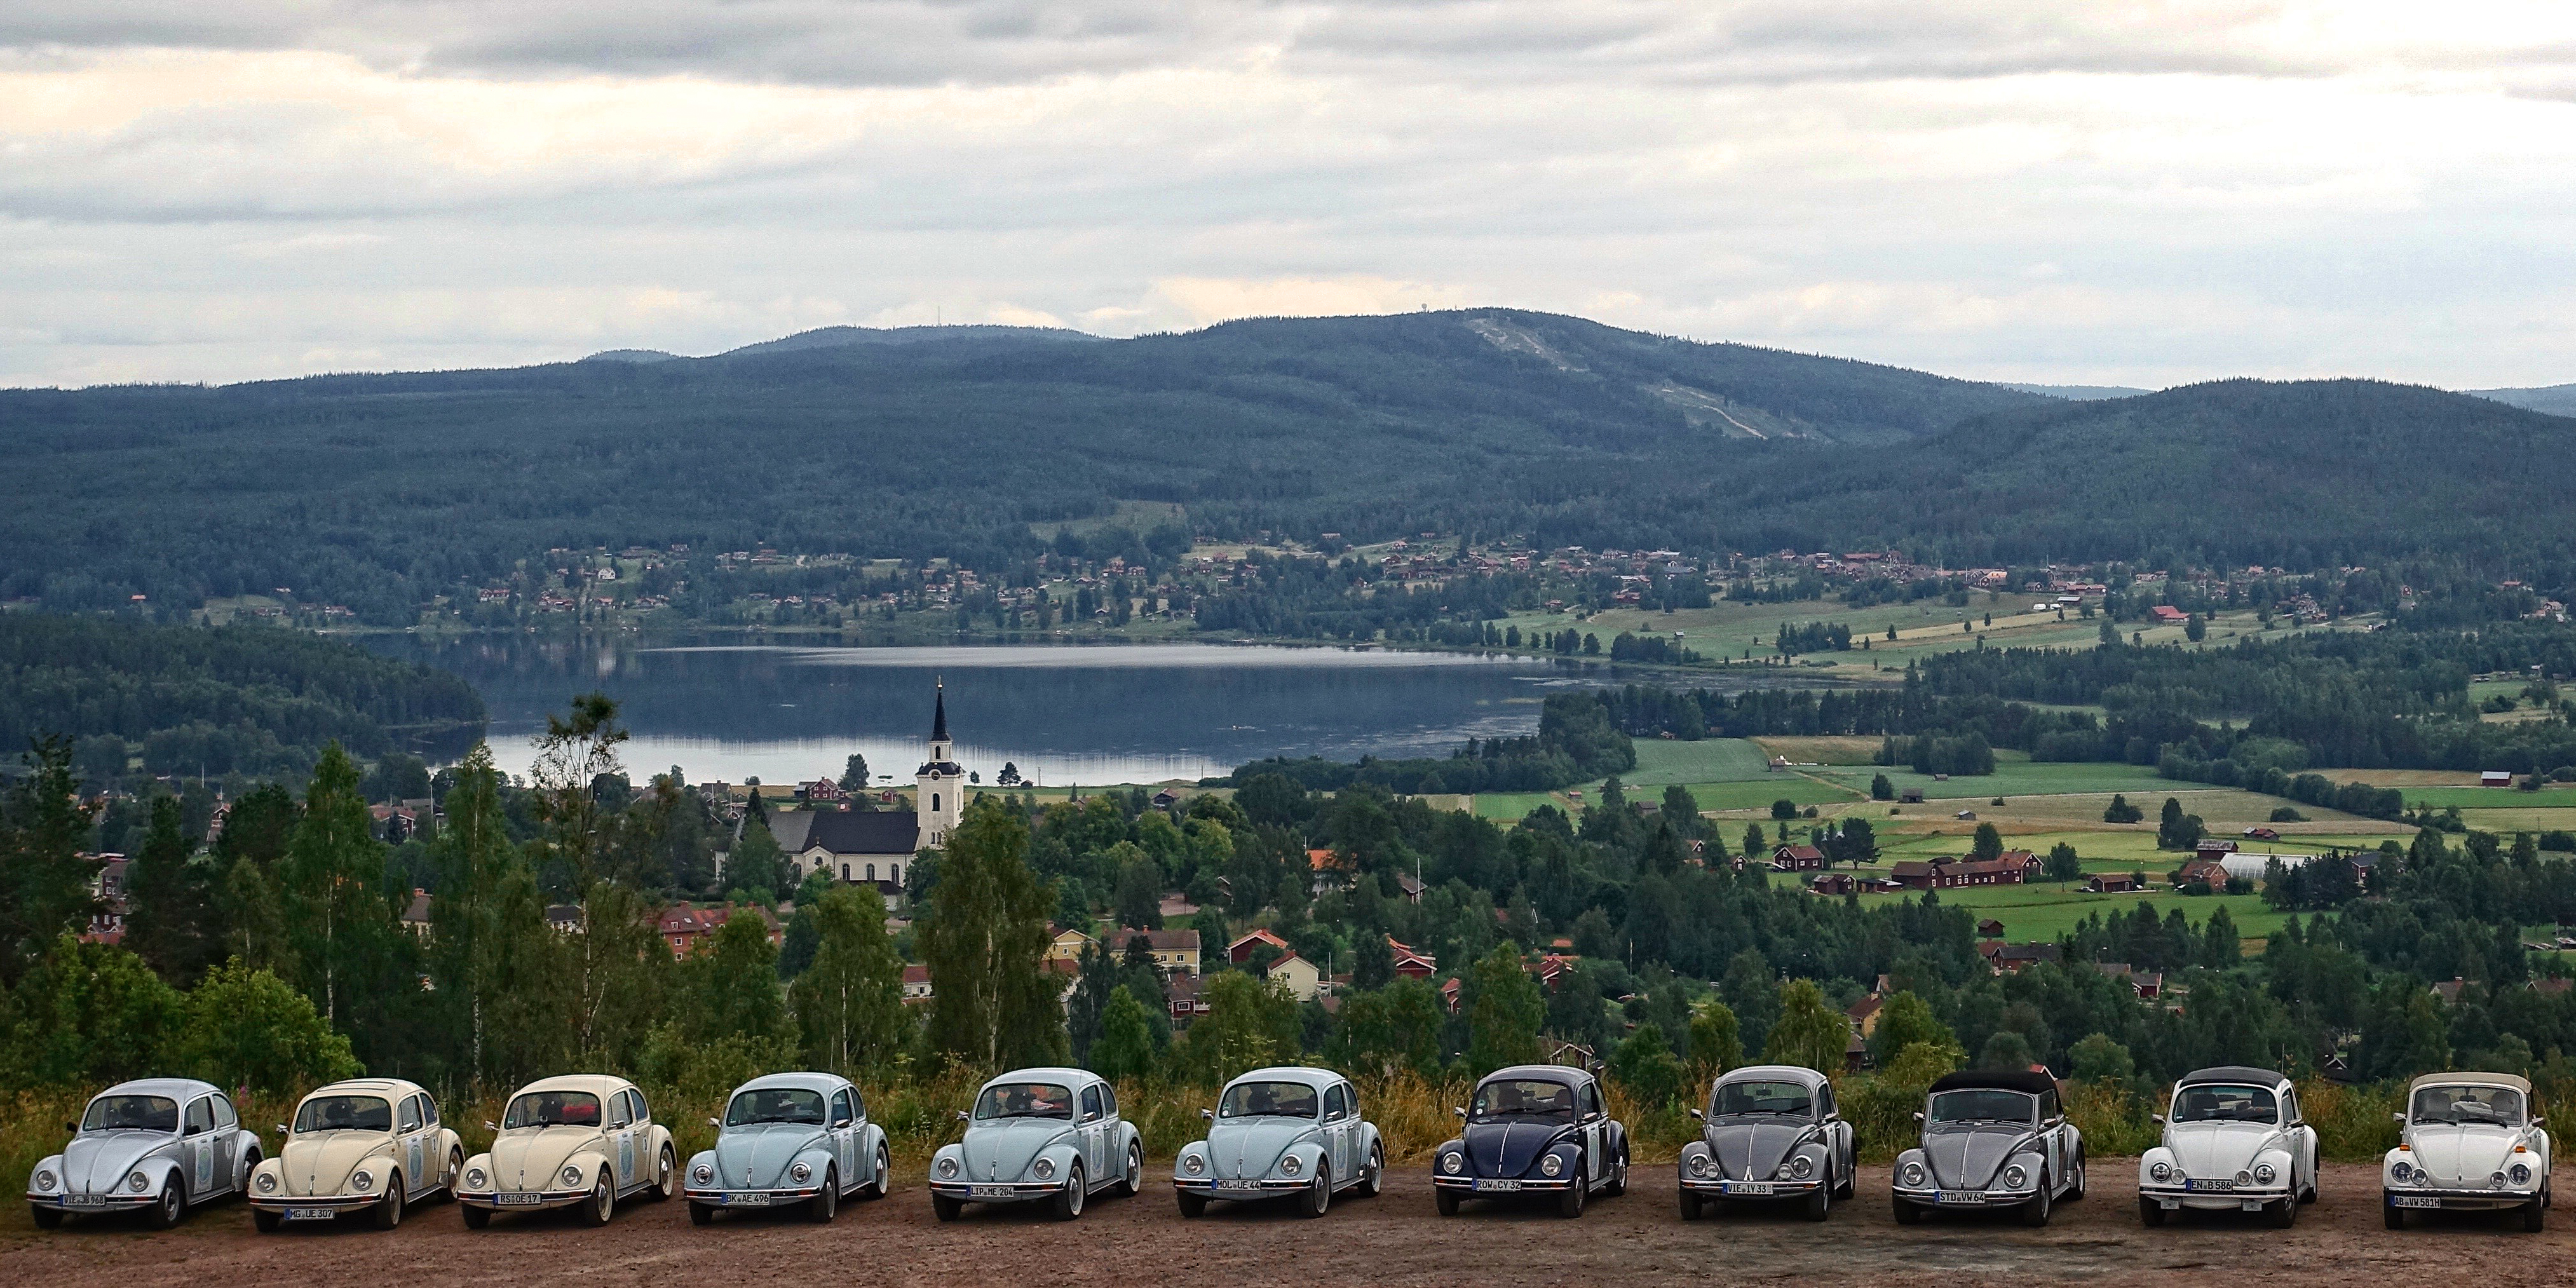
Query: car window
(1025, 1100)
(620, 1111)
(1523, 1099)
(224, 1115)
(345, 1113)
(407, 1117)
(2460, 1106)
(428, 1112)
(840, 1107)
(643, 1112)
(2226, 1103)
(201, 1116)
(1825, 1099)
(775, 1105)
(1108, 1100)
(1091, 1102)
(1591, 1100)
(1764, 1098)
(1333, 1107)
(131, 1113)
(1351, 1098)
(858, 1103)
(552, 1109)
(2290, 1107)
(1984, 1105)
(1268, 1100)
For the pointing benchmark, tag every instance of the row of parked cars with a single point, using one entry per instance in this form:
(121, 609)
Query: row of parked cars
(2234, 1139)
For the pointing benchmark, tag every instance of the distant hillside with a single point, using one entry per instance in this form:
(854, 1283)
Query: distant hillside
(630, 355)
(2557, 400)
(834, 337)
(2080, 393)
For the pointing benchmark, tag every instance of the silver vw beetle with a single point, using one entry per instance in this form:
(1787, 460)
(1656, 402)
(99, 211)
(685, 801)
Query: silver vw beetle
(1039, 1135)
(785, 1139)
(1770, 1132)
(159, 1146)
(2233, 1141)
(1991, 1140)
(1290, 1130)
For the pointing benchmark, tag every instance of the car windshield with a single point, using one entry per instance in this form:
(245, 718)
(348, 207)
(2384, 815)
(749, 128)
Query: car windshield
(1787, 1099)
(1268, 1100)
(1524, 1098)
(345, 1113)
(2222, 1103)
(775, 1105)
(552, 1109)
(131, 1113)
(1985, 1105)
(1025, 1100)
(2459, 1106)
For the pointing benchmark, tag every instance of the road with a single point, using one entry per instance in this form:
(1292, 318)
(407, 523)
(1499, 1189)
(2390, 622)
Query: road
(1392, 1239)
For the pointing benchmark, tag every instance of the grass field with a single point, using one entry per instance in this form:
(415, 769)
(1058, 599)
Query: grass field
(2012, 777)
(1710, 760)
(2043, 912)
(2558, 796)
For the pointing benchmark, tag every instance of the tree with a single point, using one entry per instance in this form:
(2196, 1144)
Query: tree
(2176, 830)
(1645, 1065)
(983, 936)
(332, 888)
(854, 774)
(1126, 1046)
(173, 925)
(1880, 789)
(575, 755)
(2221, 947)
(731, 984)
(1716, 1044)
(1987, 844)
(1784, 808)
(1505, 1015)
(244, 1027)
(1810, 1031)
(1139, 894)
(2121, 811)
(44, 881)
(756, 865)
(469, 925)
(1854, 841)
(2005, 1050)
(1396, 1028)
(2195, 628)
(849, 1003)
(1904, 1020)
(2063, 863)
(1250, 1023)
(1755, 847)
(1372, 961)
(1753, 993)
(85, 1014)
(1681, 811)
(2099, 1059)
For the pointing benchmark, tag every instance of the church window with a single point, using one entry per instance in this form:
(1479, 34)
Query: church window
(872, 872)
(845, 872)
(934, 802)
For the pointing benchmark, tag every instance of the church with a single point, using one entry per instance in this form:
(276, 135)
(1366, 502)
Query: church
(876, 847)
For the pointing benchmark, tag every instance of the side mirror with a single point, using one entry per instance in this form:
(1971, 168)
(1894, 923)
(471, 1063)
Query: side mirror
(2399, 1117)
(716, 1123)
(2537, 1120)
(74, 1128)
(2159, 1119)
(281, 1130)
(1918, 1115)
(961, 1116)
(1461, 1111)
(1698, 1115)
(1208, 1114)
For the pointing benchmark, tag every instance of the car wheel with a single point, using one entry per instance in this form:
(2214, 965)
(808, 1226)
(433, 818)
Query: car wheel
(1690, 1206)
(2075, 1192)
(2035, 1212)
(2283, 1214)
(1373, 1176)
(665, 1169)
(388, 1211)
(1445, 1201)
(826, 1202)
(701, 1214)
(264, 1222)
(1820, 1201)
(1069, 1200)
(46, 1218)
(1319, 1193)
(1907, 1213)
(166, 1210)
(2150, 1212)
(946, 1208)
(1618, 1177)
(455, 1169)
(1192, 1205)
(241, 1174)
(1851, 1185)
(1133, 1182)
(475, 1218)
(602, 1204)
(2391, 1215)
(2532, 1218)
(1569, 1201)
(884, 1182)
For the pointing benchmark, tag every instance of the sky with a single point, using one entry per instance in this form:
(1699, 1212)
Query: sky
(2067, 191)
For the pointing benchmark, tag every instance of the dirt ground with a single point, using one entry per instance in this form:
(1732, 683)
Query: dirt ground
(1395, 1238)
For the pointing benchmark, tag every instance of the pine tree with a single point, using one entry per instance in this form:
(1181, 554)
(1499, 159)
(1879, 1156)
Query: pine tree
(173, 925)
(44, 881)
(331, 887)
(1504, 1018)
(1126, 1046)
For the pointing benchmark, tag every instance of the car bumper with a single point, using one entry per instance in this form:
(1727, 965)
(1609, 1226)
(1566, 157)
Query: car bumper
(333, 1202)
(1501, 1187)
(1966, 1199)
(2482, 1200)
(522, 1200)
(996, 1192)
(80, 1203)
(2245, 1198)
(1719, 1188)
(1208, 1187)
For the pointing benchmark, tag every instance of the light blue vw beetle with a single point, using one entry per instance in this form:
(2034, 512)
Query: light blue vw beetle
(786, 1139)
(1282, 1131)
(1051, 1135)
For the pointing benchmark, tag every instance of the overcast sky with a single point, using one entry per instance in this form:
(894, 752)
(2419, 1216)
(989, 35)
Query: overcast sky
(2078, 191)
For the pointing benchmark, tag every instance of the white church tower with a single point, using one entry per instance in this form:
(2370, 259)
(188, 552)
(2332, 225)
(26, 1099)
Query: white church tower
(940, 783)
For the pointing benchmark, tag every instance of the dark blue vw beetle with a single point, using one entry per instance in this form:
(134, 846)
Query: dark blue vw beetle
(1534, 1129)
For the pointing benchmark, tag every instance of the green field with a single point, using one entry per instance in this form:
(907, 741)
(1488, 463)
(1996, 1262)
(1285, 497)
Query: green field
(2012, 777)
(1711, 760)
(2043, 912)
(2556, 796)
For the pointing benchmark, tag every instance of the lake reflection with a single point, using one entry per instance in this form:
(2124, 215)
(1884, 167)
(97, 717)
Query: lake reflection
(1065, 715)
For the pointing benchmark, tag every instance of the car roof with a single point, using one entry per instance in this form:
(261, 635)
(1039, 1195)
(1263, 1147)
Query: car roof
(2024, 1081)
(597, 1084)
(1289, 1073)
(2233, 1073)
(1797, 1073)
(2513, 1081)
(1565, 1073)
(174, 1088)
(801, 1079)
(366, 1086)
(1069, 1077)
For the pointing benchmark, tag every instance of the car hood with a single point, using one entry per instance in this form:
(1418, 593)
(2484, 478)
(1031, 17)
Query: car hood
(1753, 1150)
(319, 1162)
(1509, 1149)
(95, 1162)
(1002, 1150)
(1250, 1147)
(2218, 1151)
(1967, 1157)
(758, 1155)
(2467, 1152)
(529, 1158)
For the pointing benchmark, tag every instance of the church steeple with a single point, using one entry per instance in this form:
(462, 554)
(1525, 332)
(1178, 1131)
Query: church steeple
(939, 712)
(940, 782)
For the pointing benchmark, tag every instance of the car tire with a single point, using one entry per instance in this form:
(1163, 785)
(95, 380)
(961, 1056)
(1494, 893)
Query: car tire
(2534, 1217)
(241, 1175)
(388, 1211)
(2150, 1212)
(1132, 1182)
(475, 1217)
(262, 1221)
(1820, 1202)
(1373, 1176)
(1907, 1213)
(1445, 1202)
(1192, 1205)
(1618, 1176)
(1569, 1201)
(2075, 1192)
(1069, 1200)
(1851, 1185)
(701, 1214)
(2035, 1212)
(601, 1206)
(45, 1218)
(946, 1208)
(1691, 1206)
(826, 1202)
(1318, 1197)
(455, 1170)
(2283, 1214)
(2391, 1215)
(167, 1209)
(666, 1170)
(883, 1184)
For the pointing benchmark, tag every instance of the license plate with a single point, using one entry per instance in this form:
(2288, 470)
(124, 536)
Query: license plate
(991, 1192)
(1238, 1185)
(518, 1200)
(310, 1214)
(746, 1200)
(1498, 1187)
(84, 1200)
(1955, 1198)
(2209, 1187)
(2409, 1201)
(1748, 1187)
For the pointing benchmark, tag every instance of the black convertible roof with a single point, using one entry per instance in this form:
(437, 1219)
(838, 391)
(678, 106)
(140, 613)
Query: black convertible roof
(2027, 1083)
(2234, 1073)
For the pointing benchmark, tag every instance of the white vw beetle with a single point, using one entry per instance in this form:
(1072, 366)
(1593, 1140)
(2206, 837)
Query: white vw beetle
(161, 1145)
(371, 1144)
(1282, 1131)
(2470, 1143)
(1051, 1135)
(582, 1142)
(2234, 1141)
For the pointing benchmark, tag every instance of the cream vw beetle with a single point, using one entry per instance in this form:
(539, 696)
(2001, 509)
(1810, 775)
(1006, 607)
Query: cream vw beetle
(158, 1145)
(1039, 1134)
(372, 1144)
(2471, 1142)
(789, 1139)
(582, 1142)
(1278, 1132)
(2234, 1141)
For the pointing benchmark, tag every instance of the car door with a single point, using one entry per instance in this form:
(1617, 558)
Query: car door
(621, 1138)
(844, 1133)
(1354, 1135)
(407, 1143)
(228, 1142)
(197, 1146)
(1334, 1127)
(1595, 1126)
(1838, 1149)
(1114, 1156)
(1089, 1133)
(867, 1162)
(433, 1158)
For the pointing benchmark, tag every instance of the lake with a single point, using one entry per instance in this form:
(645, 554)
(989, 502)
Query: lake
(1064, 714)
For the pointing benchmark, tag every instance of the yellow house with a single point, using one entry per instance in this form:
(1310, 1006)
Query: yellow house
(1301, 976)
(1069, 945)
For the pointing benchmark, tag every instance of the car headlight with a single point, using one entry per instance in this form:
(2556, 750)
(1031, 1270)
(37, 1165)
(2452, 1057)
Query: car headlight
(1451, 1163)
(2398, 1172)
(2263, 1173)
(2496, 1180)
(1914, 1174)
(803, 1172)
(948, 1169)
(137, 1181)
(1802, 1167)
(1699, 1165)
(571, 1174)
(2160, 1171)
(1044, 1168)
(267, 1182)
(2016, 1177)
(2522, 1174)
(44, 1180)
(1193, 1165)
(362, 1182)
(702, 1173)
(1551, 1165)
(1290, 1165)
(2245, 1178)
(474, 1179)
